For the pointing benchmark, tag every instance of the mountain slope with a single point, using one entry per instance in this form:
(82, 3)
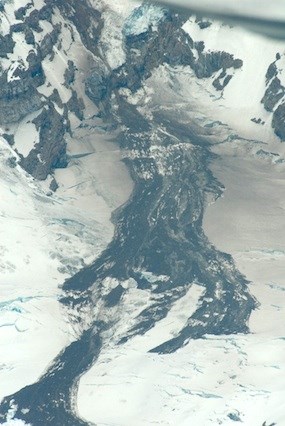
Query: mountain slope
(177, 94)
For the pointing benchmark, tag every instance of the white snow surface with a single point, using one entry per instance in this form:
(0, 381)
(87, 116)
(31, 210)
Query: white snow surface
(248, 222)
(26, 134)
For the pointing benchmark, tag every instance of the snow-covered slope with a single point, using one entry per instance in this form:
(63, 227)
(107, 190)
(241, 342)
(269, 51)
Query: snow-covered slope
(171, 314)
(226, 379)
(46, 238)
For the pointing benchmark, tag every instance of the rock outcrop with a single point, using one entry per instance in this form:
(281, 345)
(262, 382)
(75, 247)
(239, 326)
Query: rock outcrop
(32, 82)
(274, 97)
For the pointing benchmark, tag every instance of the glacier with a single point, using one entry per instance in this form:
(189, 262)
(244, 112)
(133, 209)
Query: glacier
(141, 217)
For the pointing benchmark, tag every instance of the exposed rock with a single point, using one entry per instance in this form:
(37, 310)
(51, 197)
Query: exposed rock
(21, 12)
(18, 28)
(45, 13)
(204, 24)
(53, 185)
(29, 36)
(271, 72)
(221, 81)
(87, 20)
(6, 45)
(257, 121)
(69, 74)
(96, 84)
(33, 21)
(19, 97)
(50, 152)
(12, 162)
(54, 97)
(49, 41)
(9, 138)
(274, 97)
(35, 74)
(274, 92)
(13, 109)
(278, 122)
(235, 417)
(76, 105)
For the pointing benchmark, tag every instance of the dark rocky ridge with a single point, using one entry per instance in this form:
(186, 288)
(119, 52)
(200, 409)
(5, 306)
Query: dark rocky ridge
(14, 94)
(278, 122)
(19, 96)
(274, 98)
(87, 20)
